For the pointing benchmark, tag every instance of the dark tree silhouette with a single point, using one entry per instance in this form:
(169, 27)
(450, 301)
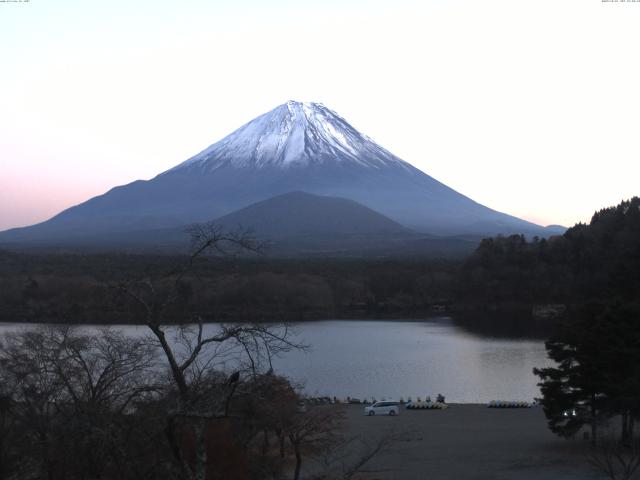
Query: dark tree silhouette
(597, 352)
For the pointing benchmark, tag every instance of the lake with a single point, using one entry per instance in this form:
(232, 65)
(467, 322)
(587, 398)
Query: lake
(390, 359)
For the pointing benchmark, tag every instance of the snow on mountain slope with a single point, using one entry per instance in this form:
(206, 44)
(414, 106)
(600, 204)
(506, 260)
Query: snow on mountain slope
(294, 134)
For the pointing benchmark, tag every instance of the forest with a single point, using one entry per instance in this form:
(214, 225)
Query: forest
(599, 260)
(75, 288)
(505, 285)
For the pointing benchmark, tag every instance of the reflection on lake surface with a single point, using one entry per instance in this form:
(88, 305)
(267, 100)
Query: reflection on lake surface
(390, 359)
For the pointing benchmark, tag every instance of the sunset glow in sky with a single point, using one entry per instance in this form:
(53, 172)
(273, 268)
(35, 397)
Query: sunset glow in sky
(528, 107)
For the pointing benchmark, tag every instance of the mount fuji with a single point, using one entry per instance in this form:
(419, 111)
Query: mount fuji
(296, 147)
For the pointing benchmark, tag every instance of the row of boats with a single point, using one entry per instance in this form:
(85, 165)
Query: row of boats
(426, 406)
(510, 404)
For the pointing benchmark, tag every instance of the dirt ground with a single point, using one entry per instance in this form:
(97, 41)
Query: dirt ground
(470, 442)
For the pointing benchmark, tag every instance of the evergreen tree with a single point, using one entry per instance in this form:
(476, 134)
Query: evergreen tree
(597, 352)
(573, 392)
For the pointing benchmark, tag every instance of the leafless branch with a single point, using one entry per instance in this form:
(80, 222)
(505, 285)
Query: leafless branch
(614, 459)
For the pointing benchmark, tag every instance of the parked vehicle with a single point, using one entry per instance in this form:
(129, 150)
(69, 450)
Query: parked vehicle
(382, 408)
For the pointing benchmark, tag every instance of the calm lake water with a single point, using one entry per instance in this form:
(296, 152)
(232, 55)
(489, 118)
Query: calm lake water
(391, 359)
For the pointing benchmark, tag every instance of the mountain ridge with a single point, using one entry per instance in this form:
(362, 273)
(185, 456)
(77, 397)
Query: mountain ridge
(294, 147)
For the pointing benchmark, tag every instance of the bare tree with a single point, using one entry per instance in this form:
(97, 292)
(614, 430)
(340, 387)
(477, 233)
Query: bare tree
(70, 393)
(194, 351)
(104, 376)
(9, 432)
(108, 370)
(314, 431)
(615, 459)
(36, 392)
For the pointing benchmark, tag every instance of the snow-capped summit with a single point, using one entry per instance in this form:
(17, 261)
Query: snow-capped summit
(292, 134)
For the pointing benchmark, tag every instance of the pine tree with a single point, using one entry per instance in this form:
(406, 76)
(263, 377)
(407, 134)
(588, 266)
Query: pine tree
(597, 352)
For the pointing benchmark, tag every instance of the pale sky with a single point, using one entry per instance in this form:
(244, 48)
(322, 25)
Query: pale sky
(531, 107)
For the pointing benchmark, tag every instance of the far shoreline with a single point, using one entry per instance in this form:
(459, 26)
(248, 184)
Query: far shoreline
(514, 330)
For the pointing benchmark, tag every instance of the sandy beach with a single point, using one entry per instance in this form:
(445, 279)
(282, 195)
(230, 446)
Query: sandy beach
(469, 441)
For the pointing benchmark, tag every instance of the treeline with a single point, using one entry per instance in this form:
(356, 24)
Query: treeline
(600, 260)
(83, 288)
(494, 290)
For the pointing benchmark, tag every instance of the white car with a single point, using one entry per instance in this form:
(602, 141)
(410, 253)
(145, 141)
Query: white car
(382, 408)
